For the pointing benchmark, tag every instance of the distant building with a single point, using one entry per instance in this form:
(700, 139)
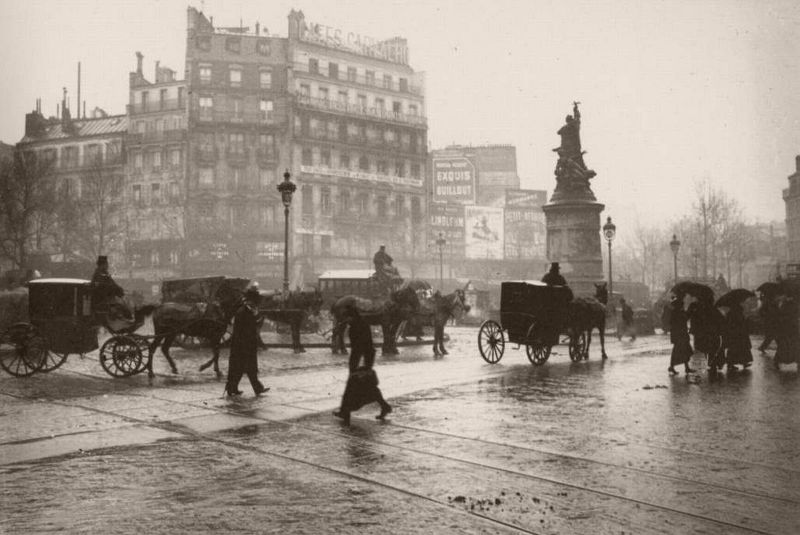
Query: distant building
(791, 197)
(6, 151)
(155, 171)
(486, 221)
(358, 148)
(88, 156)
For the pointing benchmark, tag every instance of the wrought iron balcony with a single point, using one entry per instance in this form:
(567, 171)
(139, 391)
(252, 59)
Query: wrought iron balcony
(346, 108)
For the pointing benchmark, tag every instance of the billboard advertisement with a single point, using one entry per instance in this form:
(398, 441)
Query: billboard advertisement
(483, 229)
(453, 180)
(447, 219)
(525, 227)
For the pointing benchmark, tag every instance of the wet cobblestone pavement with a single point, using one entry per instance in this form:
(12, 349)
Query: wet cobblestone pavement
(590, 447)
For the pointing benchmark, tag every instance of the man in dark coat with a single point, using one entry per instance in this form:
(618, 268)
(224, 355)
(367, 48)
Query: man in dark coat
(244, 346)
(628, 327)
(362, 383)
(679, 336)
(788, 336)
(768, 312)
(554, 277)
(736, 339)
(107, 295)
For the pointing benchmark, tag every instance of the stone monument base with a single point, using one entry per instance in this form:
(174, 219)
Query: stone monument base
(573, 240)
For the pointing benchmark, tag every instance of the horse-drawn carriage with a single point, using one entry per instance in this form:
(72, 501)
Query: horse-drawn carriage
(534, 315)
(63, 319)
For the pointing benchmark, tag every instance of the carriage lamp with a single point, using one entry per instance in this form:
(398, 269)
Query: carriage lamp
(286, 189)
(609, 231)
(441, 242)
(675, 245)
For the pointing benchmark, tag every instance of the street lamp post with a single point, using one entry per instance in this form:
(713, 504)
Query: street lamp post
(441, 242)
(675, 245)
(286, 189)
(609, 231)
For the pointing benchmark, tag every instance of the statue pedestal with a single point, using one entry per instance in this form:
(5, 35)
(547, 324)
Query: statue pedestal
(573, 240)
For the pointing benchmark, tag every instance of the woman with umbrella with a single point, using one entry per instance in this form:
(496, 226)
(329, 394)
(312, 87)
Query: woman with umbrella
(706, 324)
(788, 336)
(735, 335)
(679, 335)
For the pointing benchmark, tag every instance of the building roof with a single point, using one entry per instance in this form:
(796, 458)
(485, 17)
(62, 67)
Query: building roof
(54, 129)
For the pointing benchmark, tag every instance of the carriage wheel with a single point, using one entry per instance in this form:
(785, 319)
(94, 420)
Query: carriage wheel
(121, 356)
(53, 360)
(538, 351)
(144, 349)
(491, 342)
(22, 350)
(577, 346)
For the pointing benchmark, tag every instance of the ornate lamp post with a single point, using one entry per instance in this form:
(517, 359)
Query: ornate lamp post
(609, 231)
(286, 188)
(441, 242)
(675, 245)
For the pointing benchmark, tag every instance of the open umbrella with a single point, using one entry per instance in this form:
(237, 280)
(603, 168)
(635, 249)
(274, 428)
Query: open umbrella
(769, 288)
(695, 289)
(734, 297)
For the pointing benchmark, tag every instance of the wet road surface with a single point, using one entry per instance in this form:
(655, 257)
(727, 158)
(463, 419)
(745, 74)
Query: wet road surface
(591, 447)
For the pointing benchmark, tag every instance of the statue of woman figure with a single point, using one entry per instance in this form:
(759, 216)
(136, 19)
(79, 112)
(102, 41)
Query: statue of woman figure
(570, 136)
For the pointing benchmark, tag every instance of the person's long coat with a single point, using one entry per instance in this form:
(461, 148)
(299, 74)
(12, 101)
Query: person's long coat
(361, 343)
(788, 336)
(244, 339)
(679, 334)
(706, 326)
(736, 339)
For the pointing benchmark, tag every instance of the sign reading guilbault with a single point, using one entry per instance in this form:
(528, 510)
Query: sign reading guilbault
(453, 180)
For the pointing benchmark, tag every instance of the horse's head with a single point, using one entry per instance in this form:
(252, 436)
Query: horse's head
(460, 301)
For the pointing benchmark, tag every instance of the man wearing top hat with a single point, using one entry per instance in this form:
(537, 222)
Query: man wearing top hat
(554, 277)
(105, 291)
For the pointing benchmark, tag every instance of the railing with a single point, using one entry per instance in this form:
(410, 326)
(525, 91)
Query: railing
(263, 154)
(354, 109)
(206, 154)
(344, 76)
(236, 153)
(205, 114)
(156, 136)
(157, 105)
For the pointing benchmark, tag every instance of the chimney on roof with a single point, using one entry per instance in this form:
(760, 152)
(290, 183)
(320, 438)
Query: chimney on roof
(797, 162)
(139, 58)
(258, 26)
(158, 76)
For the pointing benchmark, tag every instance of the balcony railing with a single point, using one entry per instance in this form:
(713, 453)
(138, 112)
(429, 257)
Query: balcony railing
(210, 115)
(156, 136)
(206, 154)
(157, 105)
(236, 153)
(354, 109)
(266, 155)
(380, 83)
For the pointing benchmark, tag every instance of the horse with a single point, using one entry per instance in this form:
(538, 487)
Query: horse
(386, 312)
(435, 310)
(294, 311)
(207, 320)
(588, 313)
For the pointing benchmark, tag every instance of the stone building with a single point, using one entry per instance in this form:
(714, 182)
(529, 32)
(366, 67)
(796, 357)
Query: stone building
(88, 157)
(155, 172)
(358, 148)
(791, 197)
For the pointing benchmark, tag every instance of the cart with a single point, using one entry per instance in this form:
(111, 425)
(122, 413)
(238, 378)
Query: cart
(62, 321)
(534, 315)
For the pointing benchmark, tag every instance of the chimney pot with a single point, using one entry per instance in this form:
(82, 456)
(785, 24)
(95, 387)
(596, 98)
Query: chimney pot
(139, 58)
(797, 162)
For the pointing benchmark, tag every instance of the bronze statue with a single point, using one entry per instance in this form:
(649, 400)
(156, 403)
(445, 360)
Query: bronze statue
(571, 171)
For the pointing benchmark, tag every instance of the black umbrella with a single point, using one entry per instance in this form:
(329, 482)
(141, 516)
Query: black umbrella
(734, 297)
(769, 288)
(695, 289)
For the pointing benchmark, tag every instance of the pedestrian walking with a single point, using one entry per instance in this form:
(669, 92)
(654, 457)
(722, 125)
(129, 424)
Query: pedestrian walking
(628, 327)
(736, 339)
(245, 340)
(362, 382)
(705, 325)
(768, 312)
(679, 336)
(787, 335)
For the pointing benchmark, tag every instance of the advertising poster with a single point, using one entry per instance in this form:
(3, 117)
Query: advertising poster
(525, 229)
(483, 229)
(453, 180)
(447, 219)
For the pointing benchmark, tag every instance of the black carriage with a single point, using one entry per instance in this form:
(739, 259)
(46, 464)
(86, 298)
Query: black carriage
(63, 320)
(534, 315)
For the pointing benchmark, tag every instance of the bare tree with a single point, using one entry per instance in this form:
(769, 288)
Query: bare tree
(100, 202)
(26, 194)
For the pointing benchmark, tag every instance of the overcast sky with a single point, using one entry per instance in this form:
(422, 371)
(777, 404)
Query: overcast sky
(672, 91)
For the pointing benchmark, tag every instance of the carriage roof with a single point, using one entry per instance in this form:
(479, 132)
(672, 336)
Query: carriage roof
(534, 298)
(55, 281)
(347, 274)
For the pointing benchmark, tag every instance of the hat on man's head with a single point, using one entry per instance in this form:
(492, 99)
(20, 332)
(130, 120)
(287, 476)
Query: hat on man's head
(102, 260)
(554, 265)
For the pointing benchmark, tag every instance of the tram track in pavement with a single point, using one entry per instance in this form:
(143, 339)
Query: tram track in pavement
(322, 430)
